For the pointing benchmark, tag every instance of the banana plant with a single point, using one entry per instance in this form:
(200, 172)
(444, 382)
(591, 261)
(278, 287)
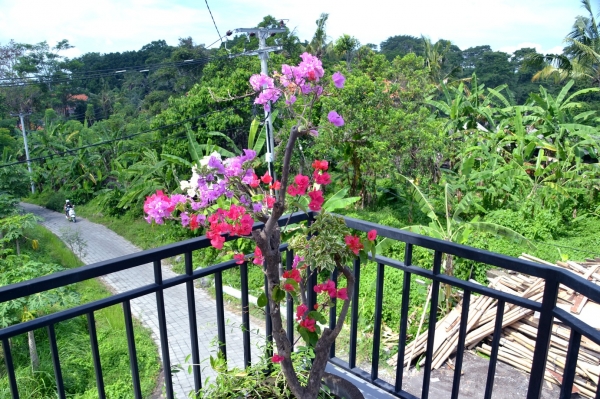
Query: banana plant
(450, 226)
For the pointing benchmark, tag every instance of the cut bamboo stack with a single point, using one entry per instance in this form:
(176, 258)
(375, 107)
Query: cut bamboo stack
(519, 331)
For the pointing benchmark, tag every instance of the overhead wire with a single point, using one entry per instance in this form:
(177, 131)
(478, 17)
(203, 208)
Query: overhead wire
(213, 19)
(71, 150)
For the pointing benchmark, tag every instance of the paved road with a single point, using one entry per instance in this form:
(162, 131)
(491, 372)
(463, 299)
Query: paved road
(103, 244)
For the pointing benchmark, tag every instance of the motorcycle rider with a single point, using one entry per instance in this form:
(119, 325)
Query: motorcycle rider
(67, 206)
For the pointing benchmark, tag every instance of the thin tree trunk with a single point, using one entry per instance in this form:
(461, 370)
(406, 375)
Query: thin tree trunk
(35, 360)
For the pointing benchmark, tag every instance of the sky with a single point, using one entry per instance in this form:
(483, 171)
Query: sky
(106, 26)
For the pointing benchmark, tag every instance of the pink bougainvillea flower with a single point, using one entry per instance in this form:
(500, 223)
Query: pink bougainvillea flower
(300, 311)
(328, 287)
(258, 81)
(316, 200)
(342, 294)
(316, 306)
(266, 178)
(297, 260)
(309, 324)
(320, 165)
(302, 183)
(288, 287)
(158, 206)
(277, 359)
(372, 235)
(270, 201)
(258, 256)
(239, 258)
(338, 80)
(292, 190)
(335, 119)
(276, 185)
(294, 274)
(353, 242)
(321, 178)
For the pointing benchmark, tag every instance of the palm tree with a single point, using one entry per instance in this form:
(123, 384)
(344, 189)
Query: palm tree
(581, 58)
(319, 46)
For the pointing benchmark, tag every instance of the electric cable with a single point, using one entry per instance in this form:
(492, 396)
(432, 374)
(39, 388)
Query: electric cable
(117, 139)
(213, 19)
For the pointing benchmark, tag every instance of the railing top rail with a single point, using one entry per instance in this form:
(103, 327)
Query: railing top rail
(98, 269)
(571, 280)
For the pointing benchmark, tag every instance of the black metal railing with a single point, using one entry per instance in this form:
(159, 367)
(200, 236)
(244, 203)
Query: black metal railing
(553, 276)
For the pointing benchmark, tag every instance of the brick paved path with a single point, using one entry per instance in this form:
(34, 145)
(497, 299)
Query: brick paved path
(104, 244)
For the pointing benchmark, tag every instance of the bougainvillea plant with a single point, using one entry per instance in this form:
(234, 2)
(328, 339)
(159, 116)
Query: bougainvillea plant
(226, 197)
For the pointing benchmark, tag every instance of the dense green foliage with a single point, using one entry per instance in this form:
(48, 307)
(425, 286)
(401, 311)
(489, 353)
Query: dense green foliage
(51, 256)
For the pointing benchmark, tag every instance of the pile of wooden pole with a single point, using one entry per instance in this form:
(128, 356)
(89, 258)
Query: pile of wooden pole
(520, 328)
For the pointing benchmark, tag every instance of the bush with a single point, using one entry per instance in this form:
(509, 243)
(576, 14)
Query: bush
(56, 202)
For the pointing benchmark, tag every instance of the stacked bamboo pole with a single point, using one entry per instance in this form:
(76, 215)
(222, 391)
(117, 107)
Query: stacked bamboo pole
(519, 328)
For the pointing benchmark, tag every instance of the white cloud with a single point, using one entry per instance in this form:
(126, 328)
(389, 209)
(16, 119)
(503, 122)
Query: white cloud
(120, 25)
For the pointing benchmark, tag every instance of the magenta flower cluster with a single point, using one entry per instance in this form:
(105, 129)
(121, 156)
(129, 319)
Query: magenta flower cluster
(303, 79)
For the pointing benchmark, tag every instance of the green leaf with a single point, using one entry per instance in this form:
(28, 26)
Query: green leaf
(318, 316)
(278, 294)
(262, 300)
(338, 201)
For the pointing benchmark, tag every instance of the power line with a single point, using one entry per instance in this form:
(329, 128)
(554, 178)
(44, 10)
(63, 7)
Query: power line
(20, 82)
(213, 19)
(117, 139)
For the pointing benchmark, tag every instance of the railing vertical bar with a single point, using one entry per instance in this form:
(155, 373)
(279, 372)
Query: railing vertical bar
(403, 318)
(489, 385)
(311, 295)
(191, 301)
(597, 390)
(462, 336)
(60, 385)
(162, 329)
(268, 321)
(354, 315)
(10, 369)
(96, 355)
(333, 314)
(133, 365)
(377, 322)
(435, 291)
(245, 314)
(289, 303)
(220, 314)
(542, 342)
(570, 365)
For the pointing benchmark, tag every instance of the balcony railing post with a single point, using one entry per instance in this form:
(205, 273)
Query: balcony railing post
(133, 364)
(191, 300)
(96, 355)
(245, 313)
(377, 322)
(10, 369)
(489, 386)
(542, 342)
(570, 365)
(403, 318)
(354, 315)
(220, 314)
(60, 385)
(162, 329)
(435, 291)
(462, 336)
(289, 303)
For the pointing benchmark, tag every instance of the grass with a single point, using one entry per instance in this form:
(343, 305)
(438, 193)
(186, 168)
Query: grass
(73, 342)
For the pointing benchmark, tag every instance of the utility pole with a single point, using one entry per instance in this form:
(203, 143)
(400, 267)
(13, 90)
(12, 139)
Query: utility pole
(21, 115)
(263, 52)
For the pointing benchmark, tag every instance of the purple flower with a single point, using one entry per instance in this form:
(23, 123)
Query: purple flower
(314, 133)
(185, 219)
(249, 155)
(335, 119)
(291, 100)
(338, 80)
(244, 200)
(306, 89)
(215, 163)
(178, 198)
(258, 81)
(248, 177)
(257, 207)
(318, 90)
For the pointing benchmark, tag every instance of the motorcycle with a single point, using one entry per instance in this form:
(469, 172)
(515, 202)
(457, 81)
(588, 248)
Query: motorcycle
(71, 215)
